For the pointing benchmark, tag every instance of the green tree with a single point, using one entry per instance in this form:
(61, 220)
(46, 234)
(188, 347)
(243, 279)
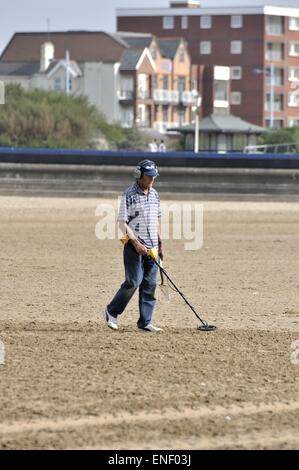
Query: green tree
(287, 135)
(39, 118)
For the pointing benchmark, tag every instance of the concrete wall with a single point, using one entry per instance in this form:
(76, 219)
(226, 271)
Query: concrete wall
(97, 181)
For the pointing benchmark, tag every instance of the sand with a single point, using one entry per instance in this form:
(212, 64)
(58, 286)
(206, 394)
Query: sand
(69, 382)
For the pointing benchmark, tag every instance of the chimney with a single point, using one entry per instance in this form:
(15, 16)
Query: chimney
(47, 54)
(184, 4)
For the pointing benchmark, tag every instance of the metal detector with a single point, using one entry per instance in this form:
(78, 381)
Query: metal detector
(204, 325)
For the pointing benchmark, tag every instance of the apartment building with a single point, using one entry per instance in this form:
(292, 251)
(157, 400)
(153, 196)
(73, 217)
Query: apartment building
(170, 87)
(260, 44)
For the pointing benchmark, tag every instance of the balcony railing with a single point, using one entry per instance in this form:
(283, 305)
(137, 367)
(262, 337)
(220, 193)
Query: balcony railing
(274, 55)
(221, 104)
(274, 29)
(187, 98)
(277, 107)
(144, 94)
(161, 96)
(174, 96)
(142, 123)
(125, 95)
(162, 126)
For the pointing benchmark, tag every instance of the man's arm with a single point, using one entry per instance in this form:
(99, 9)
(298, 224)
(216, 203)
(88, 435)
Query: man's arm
(139, 247)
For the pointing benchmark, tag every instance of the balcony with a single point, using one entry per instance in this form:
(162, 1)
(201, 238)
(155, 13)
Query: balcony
(187, 98)
(274, 29)
(274, 25)
(275, 52)
(144, 94)
(126, 95)
(277, 106)
(162, 126)
(221, 103)
(161, 96)
(174, 97)
(142, 123)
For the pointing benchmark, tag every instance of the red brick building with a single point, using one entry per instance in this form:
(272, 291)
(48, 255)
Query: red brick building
(252, 40)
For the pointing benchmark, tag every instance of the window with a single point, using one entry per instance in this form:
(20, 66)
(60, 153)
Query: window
(235, 98)
(277, 104)
(165, 113)
(206, 22)
(293, 99)
(127, 117)
(236, 21)
(57, 84)
(168, 22)
(275, 51)
(293, 74)
(294, 24)
(236, 73)
(277, 123)
(236, 47)
(181, 54)
(165, 82)
(181, 84)
(293, 122)
(154, 52)
(127, 88)
(205, 47)
(278, 76)
(275, 25)
(221, 90)
(294, 49)
(184, 22)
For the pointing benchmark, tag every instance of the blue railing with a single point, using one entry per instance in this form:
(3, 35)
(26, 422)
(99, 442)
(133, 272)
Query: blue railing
(176, 159)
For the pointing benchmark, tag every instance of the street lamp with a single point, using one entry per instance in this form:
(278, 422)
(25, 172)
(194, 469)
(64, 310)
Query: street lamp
(197, 99)
(270, 72)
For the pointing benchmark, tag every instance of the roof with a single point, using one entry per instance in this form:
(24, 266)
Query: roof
(56, 64)
(168, 47)
(31, 68)
(84, 46)
(19, 68)
(136, 40)
(226, 124)
(130, 58)
(227, 9)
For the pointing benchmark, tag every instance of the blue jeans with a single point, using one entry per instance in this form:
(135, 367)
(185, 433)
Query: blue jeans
(140, 271)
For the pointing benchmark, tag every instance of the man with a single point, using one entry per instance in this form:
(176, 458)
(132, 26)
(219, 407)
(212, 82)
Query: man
(162, 146)
(153, 146)
(139, 219)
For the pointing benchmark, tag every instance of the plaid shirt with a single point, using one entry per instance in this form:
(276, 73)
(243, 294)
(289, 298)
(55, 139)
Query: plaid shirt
(141, 212)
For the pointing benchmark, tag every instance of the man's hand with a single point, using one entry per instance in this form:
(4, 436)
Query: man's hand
(141, 249)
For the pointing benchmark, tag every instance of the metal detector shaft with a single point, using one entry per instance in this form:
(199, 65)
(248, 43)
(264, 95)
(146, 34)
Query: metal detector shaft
(181, 293)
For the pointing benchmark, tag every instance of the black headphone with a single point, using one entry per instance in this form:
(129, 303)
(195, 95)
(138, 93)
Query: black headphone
(138, 172)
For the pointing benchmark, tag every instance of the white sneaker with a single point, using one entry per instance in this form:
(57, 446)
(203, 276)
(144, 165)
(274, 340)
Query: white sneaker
(110, 320)
(151, 328)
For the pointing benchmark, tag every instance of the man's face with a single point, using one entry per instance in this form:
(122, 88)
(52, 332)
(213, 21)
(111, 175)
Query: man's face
(147, 181)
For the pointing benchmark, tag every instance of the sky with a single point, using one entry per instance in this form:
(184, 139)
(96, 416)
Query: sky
(31, 15)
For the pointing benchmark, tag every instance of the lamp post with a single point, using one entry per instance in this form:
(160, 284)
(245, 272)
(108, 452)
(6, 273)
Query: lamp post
(270, 72)
(272, 84)
(197, 99)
